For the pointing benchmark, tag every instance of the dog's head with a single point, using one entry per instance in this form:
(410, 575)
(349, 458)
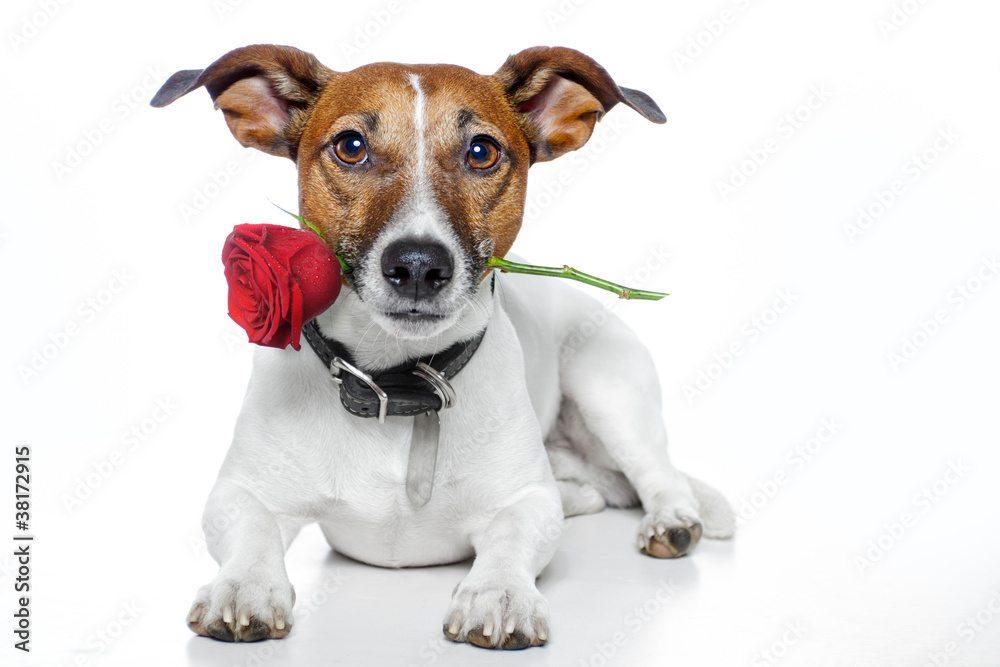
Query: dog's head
(415, 173)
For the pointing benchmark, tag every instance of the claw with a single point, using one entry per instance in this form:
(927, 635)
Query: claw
(227, 614)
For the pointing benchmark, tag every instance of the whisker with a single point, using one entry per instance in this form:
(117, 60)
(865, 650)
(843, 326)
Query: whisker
(362, 339)
(501, 290)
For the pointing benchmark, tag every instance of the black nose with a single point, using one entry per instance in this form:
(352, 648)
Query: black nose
(415, 269)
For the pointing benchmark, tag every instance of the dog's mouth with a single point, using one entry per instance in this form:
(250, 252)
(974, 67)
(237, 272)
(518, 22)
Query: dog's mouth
(413, 323)
(414, 316)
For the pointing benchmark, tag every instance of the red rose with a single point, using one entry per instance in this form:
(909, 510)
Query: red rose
(279, 279)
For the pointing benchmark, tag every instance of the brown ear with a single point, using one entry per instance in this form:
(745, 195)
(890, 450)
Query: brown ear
(558, 94)
(264, 91)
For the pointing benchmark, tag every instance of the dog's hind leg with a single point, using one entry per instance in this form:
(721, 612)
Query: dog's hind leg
(579, 498)
(612, 415)
(571, 472)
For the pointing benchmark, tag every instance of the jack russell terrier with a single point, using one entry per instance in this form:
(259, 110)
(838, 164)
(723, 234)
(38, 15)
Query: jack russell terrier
(461, 422)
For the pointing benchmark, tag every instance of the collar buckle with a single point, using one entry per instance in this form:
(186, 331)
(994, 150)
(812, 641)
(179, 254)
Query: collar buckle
(338, 364)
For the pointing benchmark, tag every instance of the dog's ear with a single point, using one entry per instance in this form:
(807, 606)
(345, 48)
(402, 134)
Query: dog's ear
(264, 91)
(557, 95)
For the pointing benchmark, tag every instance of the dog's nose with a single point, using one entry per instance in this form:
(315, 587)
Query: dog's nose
(415, 269)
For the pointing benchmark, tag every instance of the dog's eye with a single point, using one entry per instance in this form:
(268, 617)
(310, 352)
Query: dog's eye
(350, 148)
(483, 153)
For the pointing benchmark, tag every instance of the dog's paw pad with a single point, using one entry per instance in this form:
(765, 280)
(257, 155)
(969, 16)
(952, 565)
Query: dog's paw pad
(477, 637)
(663, 536)
(497, 617)
(242, 612)
(195, 618)
(219, 629)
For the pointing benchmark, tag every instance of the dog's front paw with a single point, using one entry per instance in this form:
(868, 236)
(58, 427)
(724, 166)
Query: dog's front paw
(669, 534)
(248, 608)
(493, 615)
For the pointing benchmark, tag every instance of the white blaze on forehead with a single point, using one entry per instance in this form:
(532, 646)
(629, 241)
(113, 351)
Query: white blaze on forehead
(420, 215)
(419, 122)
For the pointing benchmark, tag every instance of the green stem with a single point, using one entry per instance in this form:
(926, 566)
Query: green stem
(572, 274)
(344, 266)
(514, 267)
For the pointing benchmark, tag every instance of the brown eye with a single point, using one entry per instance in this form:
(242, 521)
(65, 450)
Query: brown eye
(350, 148)
(483, 153)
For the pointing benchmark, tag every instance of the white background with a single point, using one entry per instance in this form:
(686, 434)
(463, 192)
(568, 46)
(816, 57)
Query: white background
(78, 81)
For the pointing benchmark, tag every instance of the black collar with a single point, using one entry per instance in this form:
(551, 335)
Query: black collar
(412, 388)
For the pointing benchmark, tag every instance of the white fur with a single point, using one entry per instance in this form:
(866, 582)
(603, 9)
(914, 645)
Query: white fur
(298, 456)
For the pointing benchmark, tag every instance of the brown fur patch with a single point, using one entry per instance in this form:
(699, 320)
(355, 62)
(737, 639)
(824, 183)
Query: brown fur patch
(285, 102)
(352, 205)
(530, 74)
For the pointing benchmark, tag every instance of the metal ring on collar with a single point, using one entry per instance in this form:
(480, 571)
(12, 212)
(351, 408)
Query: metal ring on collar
(439, 382)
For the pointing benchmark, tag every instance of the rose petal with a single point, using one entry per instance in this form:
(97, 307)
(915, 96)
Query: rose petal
(279, 278)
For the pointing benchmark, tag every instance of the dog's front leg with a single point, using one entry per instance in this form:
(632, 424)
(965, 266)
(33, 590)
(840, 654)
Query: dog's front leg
(497, 604)
(250, 598)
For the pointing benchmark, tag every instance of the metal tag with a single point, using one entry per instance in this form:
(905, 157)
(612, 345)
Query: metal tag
(423, 457)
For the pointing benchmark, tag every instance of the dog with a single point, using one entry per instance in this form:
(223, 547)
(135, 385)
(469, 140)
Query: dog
(417, 175)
